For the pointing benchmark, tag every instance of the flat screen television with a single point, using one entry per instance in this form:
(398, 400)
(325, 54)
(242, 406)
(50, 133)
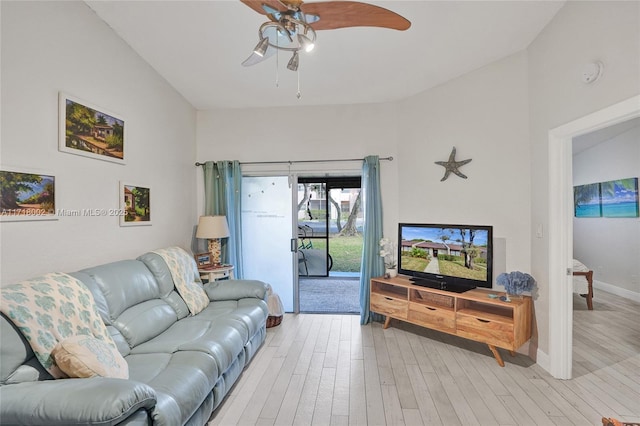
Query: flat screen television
(447, 257)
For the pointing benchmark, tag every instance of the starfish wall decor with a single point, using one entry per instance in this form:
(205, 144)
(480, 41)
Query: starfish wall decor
(452, 165)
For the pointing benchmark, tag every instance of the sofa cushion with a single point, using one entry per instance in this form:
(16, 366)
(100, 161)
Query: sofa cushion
(14, 349)
(236, 289)
(83, 356)
(181, 381)
(17, 361)
(134, 300)
(145, 321)
(98, 297)
(186, 278)
(124, 284)
(97, 401)
(162, 274)
(251, 312)
(223, 339)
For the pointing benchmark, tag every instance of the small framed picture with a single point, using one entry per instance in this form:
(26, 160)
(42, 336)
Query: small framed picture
(26, 195)
(135, 204)
(204, 260)
(90, 131)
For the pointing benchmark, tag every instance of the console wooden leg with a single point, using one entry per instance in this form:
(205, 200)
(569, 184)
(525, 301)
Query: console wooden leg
(512, 353)
(496, 354)
(387, 321)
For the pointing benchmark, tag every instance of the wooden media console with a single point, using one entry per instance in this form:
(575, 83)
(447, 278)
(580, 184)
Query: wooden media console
(472, 314)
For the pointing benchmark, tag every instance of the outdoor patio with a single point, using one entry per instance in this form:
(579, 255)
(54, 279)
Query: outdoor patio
(330, 295)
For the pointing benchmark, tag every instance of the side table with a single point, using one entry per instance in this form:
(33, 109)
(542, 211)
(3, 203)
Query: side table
(224, 272)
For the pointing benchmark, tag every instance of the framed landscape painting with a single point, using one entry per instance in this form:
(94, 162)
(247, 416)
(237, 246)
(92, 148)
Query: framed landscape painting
(620, 198)
(27, 196)
(586, 200)
(90, 131)
(135, 205)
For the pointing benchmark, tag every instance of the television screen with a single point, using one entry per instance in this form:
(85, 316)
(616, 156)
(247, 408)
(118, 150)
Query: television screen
(449, 257)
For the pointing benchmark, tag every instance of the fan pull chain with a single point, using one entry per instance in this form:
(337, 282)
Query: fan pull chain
(298, 95)
(277, 60)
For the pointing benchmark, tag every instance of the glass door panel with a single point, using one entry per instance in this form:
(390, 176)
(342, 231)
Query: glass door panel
(329, 244)
(313, 256)
(345, 231)
(267, 223)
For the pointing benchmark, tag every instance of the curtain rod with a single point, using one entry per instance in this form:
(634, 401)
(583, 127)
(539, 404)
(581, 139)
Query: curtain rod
(304, 161)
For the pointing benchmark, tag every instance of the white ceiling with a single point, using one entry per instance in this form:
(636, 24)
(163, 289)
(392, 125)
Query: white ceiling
(198, 47)
(589, 140)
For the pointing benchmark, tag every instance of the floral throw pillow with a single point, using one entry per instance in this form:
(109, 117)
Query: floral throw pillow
(84, 356)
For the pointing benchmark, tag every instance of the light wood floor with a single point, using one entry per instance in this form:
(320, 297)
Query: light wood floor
(327, 369)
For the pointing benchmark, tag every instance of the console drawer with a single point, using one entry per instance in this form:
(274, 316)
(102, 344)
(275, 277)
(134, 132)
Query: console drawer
(492, 331)
(389, 306)
(432, 317)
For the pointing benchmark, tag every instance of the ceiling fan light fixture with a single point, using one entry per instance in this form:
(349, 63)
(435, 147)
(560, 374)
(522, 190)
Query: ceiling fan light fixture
(294, 62)
(261, 47)
(305, 43)
(288, 19)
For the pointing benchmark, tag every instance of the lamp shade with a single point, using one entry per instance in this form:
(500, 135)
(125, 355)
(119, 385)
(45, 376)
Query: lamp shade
(212, 227)
(261, 47)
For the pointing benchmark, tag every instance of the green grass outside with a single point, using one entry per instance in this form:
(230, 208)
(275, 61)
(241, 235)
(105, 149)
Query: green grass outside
(346, 253)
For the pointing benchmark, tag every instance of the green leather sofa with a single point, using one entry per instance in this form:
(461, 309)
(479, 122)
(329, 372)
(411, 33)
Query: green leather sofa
(180, 366)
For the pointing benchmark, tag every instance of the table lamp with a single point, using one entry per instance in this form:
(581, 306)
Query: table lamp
(213, 228)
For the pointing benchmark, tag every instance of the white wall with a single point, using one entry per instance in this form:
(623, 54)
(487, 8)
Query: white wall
(305, 133)
(49, 47)
(581, 32)
(609, 246)
(484, 114)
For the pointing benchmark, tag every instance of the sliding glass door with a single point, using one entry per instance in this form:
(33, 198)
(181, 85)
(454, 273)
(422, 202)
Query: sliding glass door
(268, 235)
(297, 230)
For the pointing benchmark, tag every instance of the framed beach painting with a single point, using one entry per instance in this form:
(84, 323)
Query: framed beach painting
(91, 131)
(135, 205)
(620, 198)
(26, 196)
(586, 200)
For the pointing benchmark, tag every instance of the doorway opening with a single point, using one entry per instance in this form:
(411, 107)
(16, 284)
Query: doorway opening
(560, 234)
(605, 204)
(330, 242)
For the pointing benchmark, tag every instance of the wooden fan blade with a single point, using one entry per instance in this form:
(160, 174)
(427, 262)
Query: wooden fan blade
(342, 14)
(257, 5)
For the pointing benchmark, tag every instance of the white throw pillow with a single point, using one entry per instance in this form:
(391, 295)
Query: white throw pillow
(86, 356)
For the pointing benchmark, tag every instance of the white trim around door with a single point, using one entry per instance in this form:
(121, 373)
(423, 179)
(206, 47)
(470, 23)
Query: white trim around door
(560, 202)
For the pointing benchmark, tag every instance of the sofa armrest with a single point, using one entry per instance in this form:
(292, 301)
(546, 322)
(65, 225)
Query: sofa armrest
(96, 400)
(236, 289)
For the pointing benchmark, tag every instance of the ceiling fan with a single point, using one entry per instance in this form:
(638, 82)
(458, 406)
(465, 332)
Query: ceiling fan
(293, 24)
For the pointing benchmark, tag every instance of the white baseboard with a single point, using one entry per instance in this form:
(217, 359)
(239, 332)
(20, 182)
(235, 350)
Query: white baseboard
(618, 291)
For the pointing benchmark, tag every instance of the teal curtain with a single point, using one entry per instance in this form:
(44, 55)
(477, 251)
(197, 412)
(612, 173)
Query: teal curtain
(372, 264)
(222, 182)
